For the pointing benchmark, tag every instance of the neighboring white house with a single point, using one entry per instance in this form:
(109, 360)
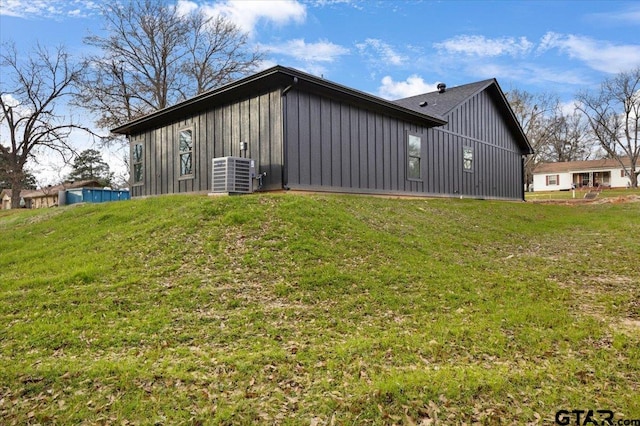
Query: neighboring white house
(607, 173)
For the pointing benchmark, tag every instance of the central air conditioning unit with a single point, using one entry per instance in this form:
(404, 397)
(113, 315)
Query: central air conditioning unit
(233, 175)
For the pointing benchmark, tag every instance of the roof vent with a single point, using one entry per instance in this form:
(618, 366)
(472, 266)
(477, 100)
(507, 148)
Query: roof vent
(423, 104)
(441, 87)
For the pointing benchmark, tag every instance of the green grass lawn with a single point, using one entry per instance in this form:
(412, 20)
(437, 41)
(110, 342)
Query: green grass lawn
(345, 310)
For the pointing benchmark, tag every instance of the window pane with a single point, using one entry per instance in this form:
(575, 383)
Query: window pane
(414, 168)
(468, 154)
(467, 158)
(185, 164)
(414, 146)
(137, 172)
(185, 141)
(137, 153)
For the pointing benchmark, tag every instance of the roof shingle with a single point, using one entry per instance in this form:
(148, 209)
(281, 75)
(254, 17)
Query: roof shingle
(441, 103)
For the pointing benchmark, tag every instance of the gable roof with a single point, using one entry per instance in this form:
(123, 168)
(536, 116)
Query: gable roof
(53, 190)
(576, 166)
(7, 193)
(270, 79)
(443, 103)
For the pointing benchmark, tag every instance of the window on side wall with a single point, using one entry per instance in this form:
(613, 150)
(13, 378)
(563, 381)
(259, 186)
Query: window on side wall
(137, 163)
(552, 180)
(467, 158)
(414, 157)
(186, 152)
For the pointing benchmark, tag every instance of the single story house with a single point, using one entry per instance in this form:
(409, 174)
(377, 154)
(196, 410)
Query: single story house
(563, 176)
(49, 196)
(5, 199)
(303, 132)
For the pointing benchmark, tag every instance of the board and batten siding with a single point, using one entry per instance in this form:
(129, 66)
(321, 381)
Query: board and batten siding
(497, 160)
(217, 132)
(334, 146)
(495, 172)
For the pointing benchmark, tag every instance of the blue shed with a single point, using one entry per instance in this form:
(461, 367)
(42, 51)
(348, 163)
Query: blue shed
(95, 195)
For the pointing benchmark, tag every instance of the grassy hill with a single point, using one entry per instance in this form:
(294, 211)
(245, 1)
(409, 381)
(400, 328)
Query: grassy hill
(288, 309)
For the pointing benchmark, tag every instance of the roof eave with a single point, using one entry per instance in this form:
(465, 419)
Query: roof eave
(528, 149)
(126, 128)
(274, 72)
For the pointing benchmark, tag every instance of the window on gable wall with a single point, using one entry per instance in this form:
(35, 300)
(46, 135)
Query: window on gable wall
(137, 163)
(467, 158)
(414, 150)
(186, 152)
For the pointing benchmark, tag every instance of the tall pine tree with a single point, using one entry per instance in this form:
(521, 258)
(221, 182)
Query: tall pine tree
(89, 165)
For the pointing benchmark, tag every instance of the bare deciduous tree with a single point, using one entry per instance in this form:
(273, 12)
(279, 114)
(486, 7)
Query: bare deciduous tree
(533, 112)
(569, 138)
(30, 92)
(155, 56)
(613, 113)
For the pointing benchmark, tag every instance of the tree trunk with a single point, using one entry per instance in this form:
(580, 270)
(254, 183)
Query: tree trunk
(16, 188)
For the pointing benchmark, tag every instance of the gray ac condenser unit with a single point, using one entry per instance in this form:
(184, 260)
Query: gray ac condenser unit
(233, 175)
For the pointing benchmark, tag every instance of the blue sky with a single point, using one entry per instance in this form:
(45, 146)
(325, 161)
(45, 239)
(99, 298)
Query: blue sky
(396, 49)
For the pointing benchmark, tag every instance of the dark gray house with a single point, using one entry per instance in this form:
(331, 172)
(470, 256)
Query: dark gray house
(308, 133)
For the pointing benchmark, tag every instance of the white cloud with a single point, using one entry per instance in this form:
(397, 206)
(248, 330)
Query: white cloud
(381, 51)
(322, 3)
(266, 64)
(19, 110)
(599, 55)
(631, 16)
(531, 73)
(413, 85)
(568, 108)
(247, 13)
(322, 51)
(47, 8)
(480, 46)
(185, 7)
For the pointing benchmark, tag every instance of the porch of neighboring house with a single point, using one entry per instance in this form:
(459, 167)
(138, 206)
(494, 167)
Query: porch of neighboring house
(592, 179)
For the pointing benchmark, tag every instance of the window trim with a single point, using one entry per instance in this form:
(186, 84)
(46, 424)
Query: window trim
(410, 134)
(465, 150)
(135, 163)
(557, 180)
(191, 173)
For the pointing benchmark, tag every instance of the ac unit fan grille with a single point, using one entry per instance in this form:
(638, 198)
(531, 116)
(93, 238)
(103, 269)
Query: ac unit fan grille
(232, 175)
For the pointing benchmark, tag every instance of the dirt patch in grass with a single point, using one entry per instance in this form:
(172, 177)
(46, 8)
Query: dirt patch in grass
(581, 201)
(612, 299)
(631, 325)
(619, 200)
